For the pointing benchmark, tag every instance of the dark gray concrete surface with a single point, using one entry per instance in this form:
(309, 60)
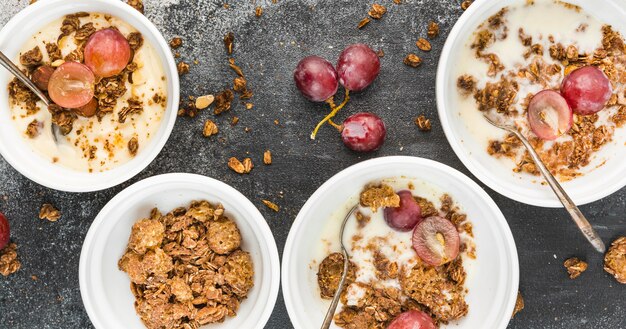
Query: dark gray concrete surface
(268, 49)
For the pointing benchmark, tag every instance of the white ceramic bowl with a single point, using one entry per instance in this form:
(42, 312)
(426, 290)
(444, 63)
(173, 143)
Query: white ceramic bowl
(105, 289)
(598, 183)
(494, 276)
(12, 145)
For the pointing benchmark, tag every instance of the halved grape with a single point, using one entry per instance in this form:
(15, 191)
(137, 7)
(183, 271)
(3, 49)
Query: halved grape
(41, 76)
(316, 78)
(357, 67)
(363, 132)
(413, 319)
(71, 85)
(89, 109)
(549, 115)
(4, 231)
(587, 90)
(406, 216)
(436, 240)
(107, 52)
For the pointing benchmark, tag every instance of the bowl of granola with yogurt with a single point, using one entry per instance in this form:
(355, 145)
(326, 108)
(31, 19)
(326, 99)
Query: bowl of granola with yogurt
(554, 70)
(428, 249)
(179, 251)
(113, 90)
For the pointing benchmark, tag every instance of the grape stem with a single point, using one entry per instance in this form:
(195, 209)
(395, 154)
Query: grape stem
(333, 112)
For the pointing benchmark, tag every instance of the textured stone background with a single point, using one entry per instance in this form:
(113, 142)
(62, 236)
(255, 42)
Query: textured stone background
(268, 49)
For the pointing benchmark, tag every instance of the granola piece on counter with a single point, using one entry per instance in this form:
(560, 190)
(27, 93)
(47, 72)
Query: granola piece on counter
(146, 234)
(377, 11)
(223, 101)
(137, 4)
(379, 196)
(412, 60)
(363, 22)
(433, 29)
(423, 44)
(210, 128)
(224, 236)
(176, 42)
(271, 205)
(267, 157)
(49, 212)
(229, 39)
(575, 267)
(615, 260)
(423, 124)
(519, 304)
(9, 263)
(183, 68)
(258, 11)
(329, 274)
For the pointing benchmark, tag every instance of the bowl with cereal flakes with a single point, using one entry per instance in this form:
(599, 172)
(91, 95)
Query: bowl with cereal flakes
(428, 248)
(112, 87)
(179, 250)
(560, 83)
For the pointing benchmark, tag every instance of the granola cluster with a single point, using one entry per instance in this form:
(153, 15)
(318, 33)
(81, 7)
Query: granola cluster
(615, 260)
(375, 302)
(546, 67)
(186, 267)
(9, 263)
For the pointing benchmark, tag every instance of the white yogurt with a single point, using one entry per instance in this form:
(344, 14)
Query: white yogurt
(109, 136)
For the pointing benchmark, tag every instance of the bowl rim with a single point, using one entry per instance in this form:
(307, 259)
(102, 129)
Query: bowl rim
(299, 222)
(169, 66)
(484, 176)
(262, 231)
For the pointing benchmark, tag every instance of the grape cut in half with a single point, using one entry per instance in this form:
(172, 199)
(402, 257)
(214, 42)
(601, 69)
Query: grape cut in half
(406, 216)
(549, 115)
(71, 85)
(436, 241)
(413, 319)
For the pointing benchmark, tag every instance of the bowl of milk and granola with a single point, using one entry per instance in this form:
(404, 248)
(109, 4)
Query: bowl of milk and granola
(112, 86)
(554, 70)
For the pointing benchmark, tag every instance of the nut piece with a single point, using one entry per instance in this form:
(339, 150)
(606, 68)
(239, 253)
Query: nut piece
(377, 11)
(363, 22)
(267, 157)
(205, 101)
(224, 237)
(247, 165)
(379, 196)
(176, 42)
(422, 123)
(466, 4)
(133, 146)
(519, 304)
(228, 42)
(241, 168)
(433, 29)
(258, 11)
(615, 260)
(9, 263)
(210, 128)
(423, 44)
(412, 60)
(271, 205)
(574, 267)
(49, 212)
(183, 68)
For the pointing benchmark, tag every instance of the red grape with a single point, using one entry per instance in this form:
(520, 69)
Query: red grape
(4, 231)
(71, 85)
(316, 78)
(436, 240)
(587, 90)
(413, 319)
(41, 76)
(549, 115)
(89, 109)
(107, 52)
(357, 67)
(406, 216)
(363, 132)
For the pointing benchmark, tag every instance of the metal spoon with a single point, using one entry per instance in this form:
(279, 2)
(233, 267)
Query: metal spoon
(11, 67)
(577, 215)
(346, 261)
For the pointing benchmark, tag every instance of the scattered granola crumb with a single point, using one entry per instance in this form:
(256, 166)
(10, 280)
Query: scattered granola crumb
(9, 263)
(433, 30)
(271, 205)
(229, 38)
(33, 128)
(362, 220)
(465, 4)
(519, 304)
(32, 57)
(412, 60)
(205, 101)
(380, 53)
(176, 42)
(137, 4)
(363, 22)
(377, 11)
(575, 267)
(249, 106)
(615, 260)
(397, 2)
(183, 68)
(267, 157)
(258, 11)
(223, 101)
(422, 123)
(234, 120)
(133, 146)
(379, 196)
(241, 168)
(49, 212)
(210, 128)
(239, 84)
(423, 44)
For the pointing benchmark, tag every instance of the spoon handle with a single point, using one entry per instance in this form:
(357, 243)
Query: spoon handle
(8, 64)
(570, 206)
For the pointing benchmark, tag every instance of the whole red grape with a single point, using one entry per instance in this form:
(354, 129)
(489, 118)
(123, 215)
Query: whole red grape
(587, 90)
(357, 67)
(4, 231)
(316, 78)
(363, 132)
